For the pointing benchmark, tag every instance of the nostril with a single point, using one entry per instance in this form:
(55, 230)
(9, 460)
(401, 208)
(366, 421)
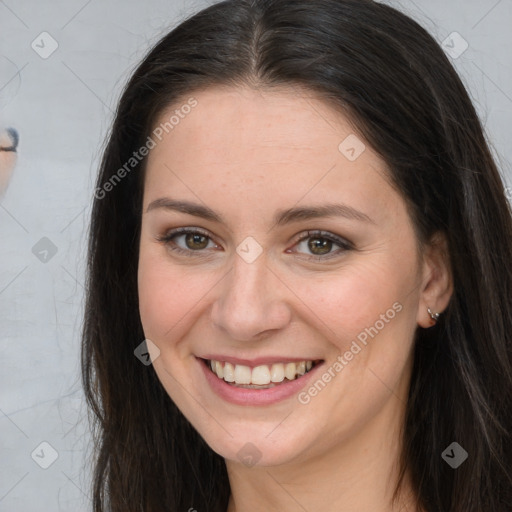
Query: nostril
(14, 139)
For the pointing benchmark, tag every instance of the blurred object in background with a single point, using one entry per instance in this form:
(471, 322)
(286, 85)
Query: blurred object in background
(9, 139)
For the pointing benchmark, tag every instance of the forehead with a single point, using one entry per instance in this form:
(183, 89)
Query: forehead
(237, 122)
(281, 146)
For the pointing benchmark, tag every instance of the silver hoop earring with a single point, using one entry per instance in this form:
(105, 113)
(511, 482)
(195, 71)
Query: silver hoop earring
(434, 316)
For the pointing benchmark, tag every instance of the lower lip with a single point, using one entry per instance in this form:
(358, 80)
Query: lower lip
(245, 396)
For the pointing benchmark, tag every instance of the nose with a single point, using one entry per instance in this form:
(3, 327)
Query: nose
(252, 302)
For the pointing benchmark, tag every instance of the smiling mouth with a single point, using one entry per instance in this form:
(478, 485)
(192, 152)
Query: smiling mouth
(259, 377)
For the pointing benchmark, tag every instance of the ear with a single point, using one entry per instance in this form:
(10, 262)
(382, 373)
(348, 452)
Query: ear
(437, 280)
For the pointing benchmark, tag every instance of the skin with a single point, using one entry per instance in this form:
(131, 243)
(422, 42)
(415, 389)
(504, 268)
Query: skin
(245, 154)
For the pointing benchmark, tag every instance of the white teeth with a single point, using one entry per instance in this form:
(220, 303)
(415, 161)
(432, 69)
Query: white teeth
(290, 370)
(277, 372)
(259, 375)
(218, 370)
(242, 374)
(229, 372)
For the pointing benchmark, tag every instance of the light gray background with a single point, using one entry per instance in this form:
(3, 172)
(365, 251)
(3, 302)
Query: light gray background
(62, 107)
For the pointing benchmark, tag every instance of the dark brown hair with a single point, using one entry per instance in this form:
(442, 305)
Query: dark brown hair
(396, 84)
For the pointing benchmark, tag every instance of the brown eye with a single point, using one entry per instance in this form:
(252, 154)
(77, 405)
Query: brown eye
(196, 241)
(187, 241)
(320, 245)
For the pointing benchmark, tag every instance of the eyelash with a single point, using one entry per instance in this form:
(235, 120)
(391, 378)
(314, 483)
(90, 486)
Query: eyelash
(167, 239)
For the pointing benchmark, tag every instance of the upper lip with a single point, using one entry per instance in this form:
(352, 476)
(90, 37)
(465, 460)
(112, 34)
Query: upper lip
(257, 361)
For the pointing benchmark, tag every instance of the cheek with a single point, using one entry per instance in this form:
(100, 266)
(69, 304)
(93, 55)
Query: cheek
(367, 316)
(168, 294)
(354, 298)
(368, 312)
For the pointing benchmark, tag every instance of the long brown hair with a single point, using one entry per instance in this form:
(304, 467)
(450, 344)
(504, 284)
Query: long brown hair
(391, 77)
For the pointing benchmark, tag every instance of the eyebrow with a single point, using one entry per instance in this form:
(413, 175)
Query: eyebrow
(281, 218)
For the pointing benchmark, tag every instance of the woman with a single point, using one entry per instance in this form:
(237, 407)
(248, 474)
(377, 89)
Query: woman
(298, 222)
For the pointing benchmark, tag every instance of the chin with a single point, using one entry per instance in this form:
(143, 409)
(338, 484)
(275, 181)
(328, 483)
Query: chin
(253, 444)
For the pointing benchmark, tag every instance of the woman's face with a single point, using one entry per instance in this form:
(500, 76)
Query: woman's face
(252, 290)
